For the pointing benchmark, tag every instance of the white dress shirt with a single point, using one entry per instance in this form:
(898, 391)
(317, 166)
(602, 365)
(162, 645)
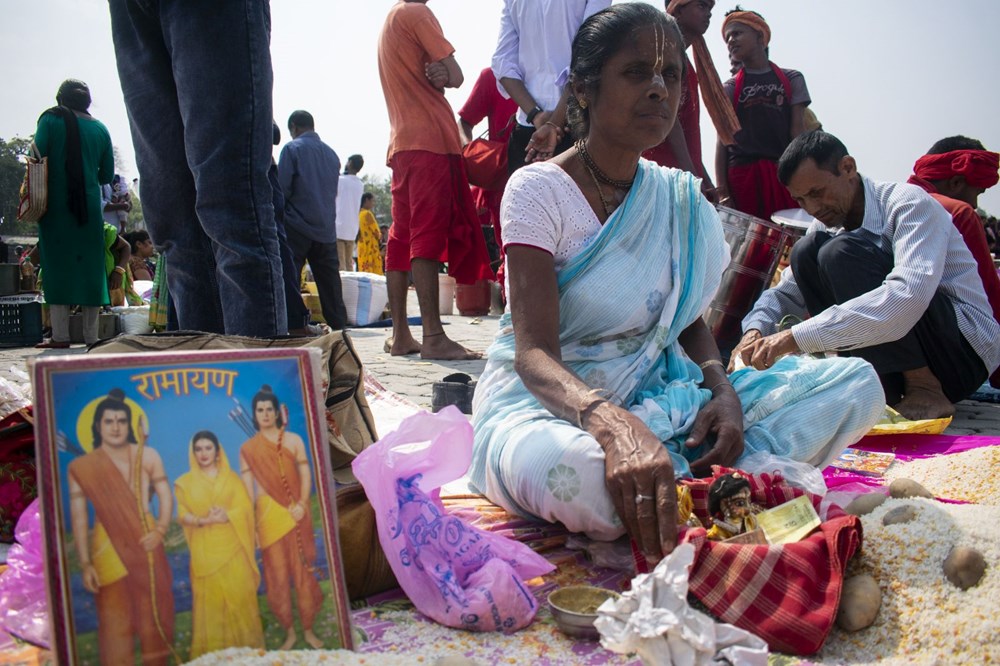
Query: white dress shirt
(929, 255)
(536, 38)
(349, 192)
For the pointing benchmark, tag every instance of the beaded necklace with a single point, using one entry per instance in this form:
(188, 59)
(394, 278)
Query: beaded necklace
(581, 147)
(600, 192)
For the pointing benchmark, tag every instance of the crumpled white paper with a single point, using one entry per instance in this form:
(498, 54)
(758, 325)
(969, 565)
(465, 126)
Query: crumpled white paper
(15, 392)
(655, 621)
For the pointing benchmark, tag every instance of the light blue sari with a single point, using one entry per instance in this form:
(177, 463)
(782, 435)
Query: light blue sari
(623, 302)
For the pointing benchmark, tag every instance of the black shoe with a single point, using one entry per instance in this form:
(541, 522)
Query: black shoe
(456, 389)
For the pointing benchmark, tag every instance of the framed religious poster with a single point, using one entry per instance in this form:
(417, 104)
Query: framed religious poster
(188, 505)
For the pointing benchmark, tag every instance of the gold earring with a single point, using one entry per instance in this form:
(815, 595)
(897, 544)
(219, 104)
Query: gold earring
(582, 103)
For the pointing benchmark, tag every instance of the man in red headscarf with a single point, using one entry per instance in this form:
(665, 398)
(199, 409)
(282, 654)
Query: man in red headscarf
(955, 171)
(770, 104)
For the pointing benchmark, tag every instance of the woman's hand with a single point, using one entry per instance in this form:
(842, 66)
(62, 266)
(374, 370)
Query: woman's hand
(720, 420)
(639, 476)
(218, 515)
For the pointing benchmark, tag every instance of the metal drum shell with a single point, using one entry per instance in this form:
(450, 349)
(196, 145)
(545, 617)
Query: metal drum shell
(755, 247)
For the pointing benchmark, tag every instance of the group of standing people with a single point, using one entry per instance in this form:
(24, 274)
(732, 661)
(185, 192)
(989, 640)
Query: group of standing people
(226, 516)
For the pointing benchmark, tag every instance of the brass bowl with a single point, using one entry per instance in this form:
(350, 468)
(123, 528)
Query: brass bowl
(575, 609)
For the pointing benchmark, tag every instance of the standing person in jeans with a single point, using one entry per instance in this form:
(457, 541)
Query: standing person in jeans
(530, 60)
(295, 308)
(349, 192)
(197, 84)
(309, 172)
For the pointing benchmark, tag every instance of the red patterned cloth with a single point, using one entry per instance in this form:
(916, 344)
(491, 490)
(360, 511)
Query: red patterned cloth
(788, 595)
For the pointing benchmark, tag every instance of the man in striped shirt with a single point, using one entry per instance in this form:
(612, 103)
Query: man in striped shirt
(890, 280)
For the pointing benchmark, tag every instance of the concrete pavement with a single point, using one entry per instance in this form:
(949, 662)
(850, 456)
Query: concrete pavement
(412, 377)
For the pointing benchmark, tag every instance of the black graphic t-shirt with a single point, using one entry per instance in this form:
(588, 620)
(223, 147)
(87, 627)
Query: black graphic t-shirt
(765, 113)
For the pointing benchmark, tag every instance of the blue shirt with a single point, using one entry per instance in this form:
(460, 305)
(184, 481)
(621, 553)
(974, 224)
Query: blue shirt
(308, 171)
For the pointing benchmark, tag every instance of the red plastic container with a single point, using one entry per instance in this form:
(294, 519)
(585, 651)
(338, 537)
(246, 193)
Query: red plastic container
(473, 300)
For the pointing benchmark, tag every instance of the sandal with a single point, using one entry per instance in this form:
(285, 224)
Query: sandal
(456, 389)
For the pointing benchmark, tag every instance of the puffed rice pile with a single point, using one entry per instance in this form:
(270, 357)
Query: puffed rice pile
(251, 657)
(971, 476)
(924, 619)
(424, 643)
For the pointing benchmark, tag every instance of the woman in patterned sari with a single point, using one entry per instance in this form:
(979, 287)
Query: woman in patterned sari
(604, 383)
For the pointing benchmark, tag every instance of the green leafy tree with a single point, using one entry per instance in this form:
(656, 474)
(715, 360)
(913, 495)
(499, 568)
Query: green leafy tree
(381, 188)
(135, 218)
(12, 154)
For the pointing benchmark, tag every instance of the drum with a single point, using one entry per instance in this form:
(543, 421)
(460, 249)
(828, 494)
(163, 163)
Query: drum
(795, 222)
(755, 246)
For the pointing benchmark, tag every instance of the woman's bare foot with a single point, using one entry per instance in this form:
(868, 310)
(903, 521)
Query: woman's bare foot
(312, 639)
(289, 639)
(403, 345)
(923, 397)
(440, 347)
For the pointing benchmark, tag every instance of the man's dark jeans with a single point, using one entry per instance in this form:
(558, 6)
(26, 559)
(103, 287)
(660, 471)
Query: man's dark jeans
(831, 270)
(325, 265)
(197, 81)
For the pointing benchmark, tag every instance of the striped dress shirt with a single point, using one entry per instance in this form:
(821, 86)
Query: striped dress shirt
(929, 255)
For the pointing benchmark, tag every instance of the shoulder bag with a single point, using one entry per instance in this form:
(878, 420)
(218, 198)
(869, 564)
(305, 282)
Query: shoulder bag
(35, 188)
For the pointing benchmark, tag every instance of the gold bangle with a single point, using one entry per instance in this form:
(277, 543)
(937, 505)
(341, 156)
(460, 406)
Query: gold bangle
(709, 363)
(557, 128)
(119, 269)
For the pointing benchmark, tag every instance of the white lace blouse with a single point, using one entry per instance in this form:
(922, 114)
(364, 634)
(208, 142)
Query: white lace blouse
(544, 208)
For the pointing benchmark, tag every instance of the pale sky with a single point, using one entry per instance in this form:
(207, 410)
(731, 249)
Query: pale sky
(889, 77)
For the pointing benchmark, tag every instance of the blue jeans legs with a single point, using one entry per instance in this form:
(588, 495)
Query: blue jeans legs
(197, 81)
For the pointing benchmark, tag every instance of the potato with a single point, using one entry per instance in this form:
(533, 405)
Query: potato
(865, 504)
(901, 488)
(859, 603)
(899, 514)
(964, 567)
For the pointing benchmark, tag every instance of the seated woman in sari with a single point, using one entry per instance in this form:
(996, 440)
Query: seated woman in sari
(215, 511)
(604, 383)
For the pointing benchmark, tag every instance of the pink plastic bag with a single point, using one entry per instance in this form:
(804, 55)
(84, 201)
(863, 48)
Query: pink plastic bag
(454, 573)
(24, 606)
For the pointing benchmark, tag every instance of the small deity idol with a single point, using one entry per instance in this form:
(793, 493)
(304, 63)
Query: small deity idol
(730, 507)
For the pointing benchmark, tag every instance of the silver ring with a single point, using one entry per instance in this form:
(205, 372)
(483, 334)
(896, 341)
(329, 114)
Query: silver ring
(639, 498)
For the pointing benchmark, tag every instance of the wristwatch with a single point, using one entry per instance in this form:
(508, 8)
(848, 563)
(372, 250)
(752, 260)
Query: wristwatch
(534, 112)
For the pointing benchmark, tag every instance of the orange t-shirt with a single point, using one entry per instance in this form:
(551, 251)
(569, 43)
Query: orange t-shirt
(419, 114)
